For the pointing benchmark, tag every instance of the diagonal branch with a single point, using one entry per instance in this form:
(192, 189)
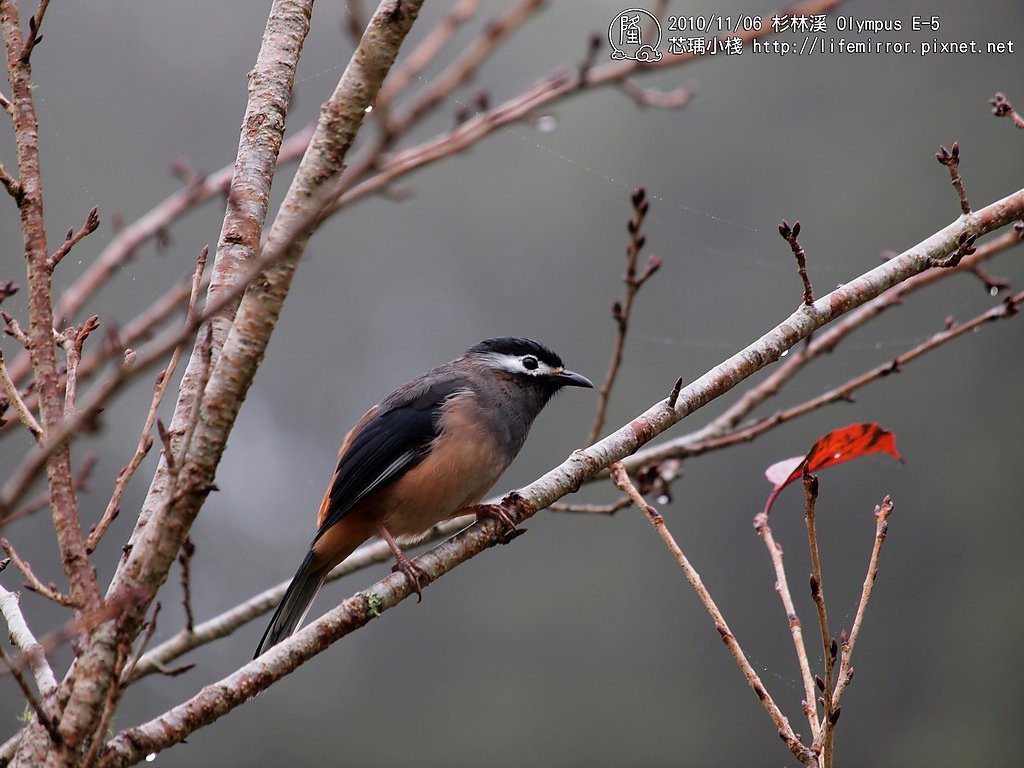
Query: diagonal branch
(822, 343)
(621, 479)
(221, 697)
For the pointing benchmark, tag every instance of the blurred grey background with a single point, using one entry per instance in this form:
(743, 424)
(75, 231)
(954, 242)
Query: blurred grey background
(582, 644)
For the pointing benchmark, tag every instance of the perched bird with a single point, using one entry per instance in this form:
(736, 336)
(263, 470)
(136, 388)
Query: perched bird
(428, 450)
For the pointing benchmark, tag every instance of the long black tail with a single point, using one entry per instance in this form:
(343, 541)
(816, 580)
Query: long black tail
(294, 605)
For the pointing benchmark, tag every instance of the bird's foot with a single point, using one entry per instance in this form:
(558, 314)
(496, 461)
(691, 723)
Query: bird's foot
(507, 529)
(416, 575)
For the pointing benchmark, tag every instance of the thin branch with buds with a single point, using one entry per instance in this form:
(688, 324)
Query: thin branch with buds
(795, 628)
(33, 582)
(92, 221)
(951, 159)
(1002, 108)
(13, 397)
(622, 309)
(882, 513)
(622, 481)
(821, 344)
(790, 235)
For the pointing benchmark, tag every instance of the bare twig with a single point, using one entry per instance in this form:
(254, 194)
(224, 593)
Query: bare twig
(555, 87)
(790, 235)
(8, 288)
(951, 159)
(821, 744)
(224, 624)
(882, 513)
(129, 670)
(782, 587)
(677, 98)
(622, 309)
(11, 184)
(34, 37)
(92, 221)
(462, 69)
(33, 583)
(42, 351)
(185, 560)
(15, 331)
(146, 439)
(1002, 108)
(621, 479)
(72, 341)
(46, 718)
(10, 391)
(965, 247)
(435, 41)
(823, 343)
(592, 509)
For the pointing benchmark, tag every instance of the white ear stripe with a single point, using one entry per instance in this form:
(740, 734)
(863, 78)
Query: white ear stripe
(514, 364)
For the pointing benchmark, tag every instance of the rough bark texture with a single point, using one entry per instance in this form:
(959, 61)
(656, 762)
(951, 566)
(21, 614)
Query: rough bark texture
(166, 521)
(42, 350)
(263, 127)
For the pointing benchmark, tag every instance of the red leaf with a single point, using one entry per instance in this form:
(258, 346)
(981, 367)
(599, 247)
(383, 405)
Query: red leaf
(836, 447)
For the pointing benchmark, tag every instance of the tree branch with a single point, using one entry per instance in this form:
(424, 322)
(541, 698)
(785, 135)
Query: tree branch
(219, 698)
(882, 513)
(26, 642)
(621, 479)
(42, 350)
(622, 309)
(10, 391)
(795, 628)
(822, 343)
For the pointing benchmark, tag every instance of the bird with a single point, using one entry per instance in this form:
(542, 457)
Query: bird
(428, 451)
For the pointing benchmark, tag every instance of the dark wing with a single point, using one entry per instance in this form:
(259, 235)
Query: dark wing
(389, 444)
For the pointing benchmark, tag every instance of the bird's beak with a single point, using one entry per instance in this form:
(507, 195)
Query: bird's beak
(570, 379)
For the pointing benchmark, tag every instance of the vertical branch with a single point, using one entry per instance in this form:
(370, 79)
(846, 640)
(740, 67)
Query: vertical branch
(185, 560)
(822, 742)
(270, 89)
(622, 309)
(42, 348)
(951, 159)
(782, 587)
(790, 235)
(162, 527)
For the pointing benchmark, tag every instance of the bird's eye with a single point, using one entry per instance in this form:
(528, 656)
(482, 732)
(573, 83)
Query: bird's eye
(530, 363)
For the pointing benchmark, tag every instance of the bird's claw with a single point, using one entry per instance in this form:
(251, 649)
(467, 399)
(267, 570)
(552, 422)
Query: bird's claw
(507, 529)
(412, 572)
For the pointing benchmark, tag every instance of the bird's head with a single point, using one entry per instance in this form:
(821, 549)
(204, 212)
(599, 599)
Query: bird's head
(528, 361)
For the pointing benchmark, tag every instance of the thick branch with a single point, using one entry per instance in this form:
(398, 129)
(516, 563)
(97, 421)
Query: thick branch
(270, 86)
(26, 642)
